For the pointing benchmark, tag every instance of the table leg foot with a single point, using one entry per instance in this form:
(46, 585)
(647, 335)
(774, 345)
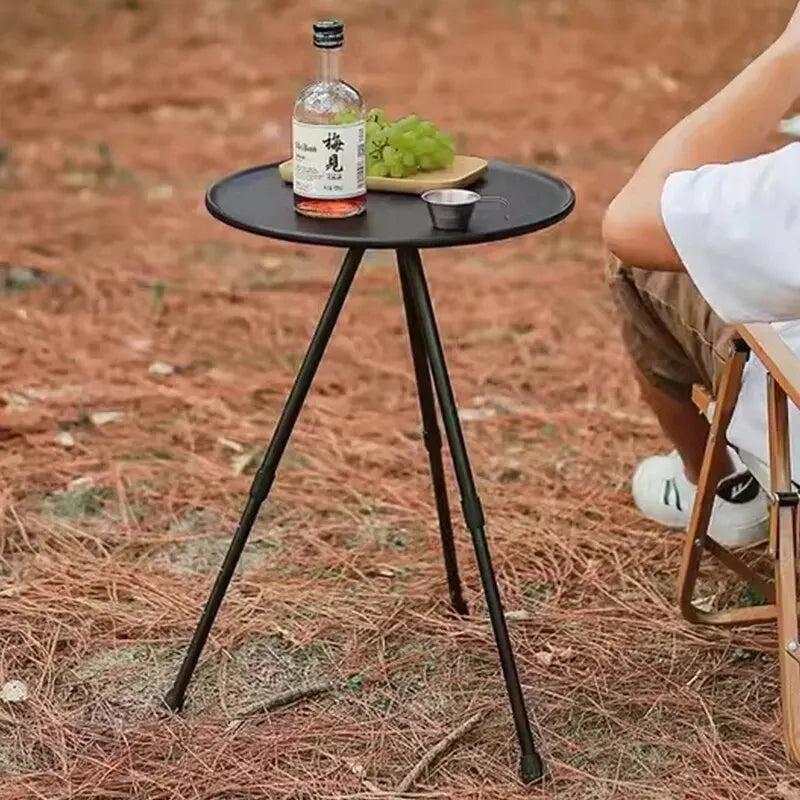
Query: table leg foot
(471, 504)
(262, 483)
(433, 444)
(173, 701)
(531, 769)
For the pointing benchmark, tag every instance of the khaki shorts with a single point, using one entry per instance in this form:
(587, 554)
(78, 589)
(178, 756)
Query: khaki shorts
(671, 333)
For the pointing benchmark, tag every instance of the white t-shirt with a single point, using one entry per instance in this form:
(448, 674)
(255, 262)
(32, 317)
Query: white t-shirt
(736, 227)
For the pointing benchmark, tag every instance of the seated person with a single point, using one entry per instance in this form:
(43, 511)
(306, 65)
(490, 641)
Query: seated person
(706, 234)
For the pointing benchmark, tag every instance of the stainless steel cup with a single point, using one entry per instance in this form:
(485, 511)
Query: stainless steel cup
(451, 209)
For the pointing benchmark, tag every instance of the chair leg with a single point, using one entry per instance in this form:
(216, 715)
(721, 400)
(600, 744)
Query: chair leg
(531, 767)
(695, 539)
(433, 443)
(783, 544)
(784, 517)
(265, 475)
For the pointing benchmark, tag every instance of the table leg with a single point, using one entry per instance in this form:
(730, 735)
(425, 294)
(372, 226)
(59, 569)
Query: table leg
(433, 442)
(531, 767)
(262, 483)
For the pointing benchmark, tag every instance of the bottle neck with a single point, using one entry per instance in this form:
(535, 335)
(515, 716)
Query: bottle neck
(330, 61)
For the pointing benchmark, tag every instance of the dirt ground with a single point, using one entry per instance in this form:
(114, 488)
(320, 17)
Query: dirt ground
(145, 354)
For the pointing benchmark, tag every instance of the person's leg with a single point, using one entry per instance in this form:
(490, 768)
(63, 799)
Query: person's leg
(675, 341)
(682, 425)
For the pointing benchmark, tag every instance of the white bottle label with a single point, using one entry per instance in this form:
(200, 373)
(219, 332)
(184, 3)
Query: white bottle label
(329, 160)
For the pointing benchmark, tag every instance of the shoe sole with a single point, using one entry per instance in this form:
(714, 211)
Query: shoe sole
(746, 536)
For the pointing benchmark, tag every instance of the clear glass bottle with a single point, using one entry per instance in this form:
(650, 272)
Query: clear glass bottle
(329, 136)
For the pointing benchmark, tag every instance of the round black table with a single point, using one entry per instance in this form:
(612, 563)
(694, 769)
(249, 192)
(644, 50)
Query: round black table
(258, 201)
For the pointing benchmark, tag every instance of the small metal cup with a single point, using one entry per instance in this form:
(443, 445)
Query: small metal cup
(451, 209)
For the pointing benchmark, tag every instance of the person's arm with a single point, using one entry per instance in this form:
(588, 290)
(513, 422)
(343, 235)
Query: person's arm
(732, 126)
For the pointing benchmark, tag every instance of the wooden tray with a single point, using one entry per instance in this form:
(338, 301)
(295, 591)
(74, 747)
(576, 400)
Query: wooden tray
(462, 172)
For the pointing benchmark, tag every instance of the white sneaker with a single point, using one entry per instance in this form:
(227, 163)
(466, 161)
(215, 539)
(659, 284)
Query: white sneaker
(663, 493)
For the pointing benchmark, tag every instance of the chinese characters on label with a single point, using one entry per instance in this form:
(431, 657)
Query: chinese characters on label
(334, 142)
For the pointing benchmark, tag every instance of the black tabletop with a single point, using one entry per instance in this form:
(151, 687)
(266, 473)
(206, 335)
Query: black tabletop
(257, 200)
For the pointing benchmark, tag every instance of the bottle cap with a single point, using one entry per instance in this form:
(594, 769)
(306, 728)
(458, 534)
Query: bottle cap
(328, 33)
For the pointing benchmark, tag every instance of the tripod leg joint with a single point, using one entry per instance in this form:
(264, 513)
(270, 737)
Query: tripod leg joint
(262, 483)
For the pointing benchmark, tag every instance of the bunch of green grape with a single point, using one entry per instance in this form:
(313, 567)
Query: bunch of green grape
(404, 147)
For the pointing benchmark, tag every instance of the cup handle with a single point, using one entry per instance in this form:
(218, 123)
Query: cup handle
(496, 199)
(493, 199)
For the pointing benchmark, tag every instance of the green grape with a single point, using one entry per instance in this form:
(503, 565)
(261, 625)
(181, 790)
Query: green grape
(376, 143)
(395, 136)
(426, 163)
(396, 171)
(378, 170)
(442, 157)
(389, 156)
(409, 160)
(427, 146)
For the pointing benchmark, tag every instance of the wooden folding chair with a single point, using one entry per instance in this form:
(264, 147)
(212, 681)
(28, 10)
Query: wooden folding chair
(783, 385)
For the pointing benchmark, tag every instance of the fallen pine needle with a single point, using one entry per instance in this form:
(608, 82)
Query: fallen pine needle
(281, 700)
(436, 751)
(360, 772)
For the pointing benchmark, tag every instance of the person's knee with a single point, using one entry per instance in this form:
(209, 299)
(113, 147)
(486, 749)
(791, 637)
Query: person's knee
(653, 384)
(657, 358)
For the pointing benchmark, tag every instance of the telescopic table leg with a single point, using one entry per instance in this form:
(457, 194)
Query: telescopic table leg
(433, 443)
(531, 766)
(262, 483)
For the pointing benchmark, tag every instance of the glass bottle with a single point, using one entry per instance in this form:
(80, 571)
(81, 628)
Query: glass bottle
(329, 136)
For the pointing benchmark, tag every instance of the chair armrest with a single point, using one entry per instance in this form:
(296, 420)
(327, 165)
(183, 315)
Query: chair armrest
(781, 363)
